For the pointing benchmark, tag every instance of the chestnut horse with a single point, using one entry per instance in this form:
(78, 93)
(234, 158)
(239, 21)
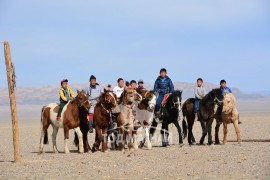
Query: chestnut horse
(126, 117)
(102, 116)
(145, 115)
(71, 118)
(229, 115)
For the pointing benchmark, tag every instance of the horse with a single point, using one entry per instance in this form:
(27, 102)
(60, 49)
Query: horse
(144, 115)
(125, 118)
(206, 115)
(102, 116)
(71, 118)
(229, 115)
(170, 114)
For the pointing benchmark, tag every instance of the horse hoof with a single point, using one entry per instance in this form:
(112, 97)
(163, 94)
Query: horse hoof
(181, 145)
(225, 143)
(200, 144)
(55, 152)
(67, 152)
(239, 142)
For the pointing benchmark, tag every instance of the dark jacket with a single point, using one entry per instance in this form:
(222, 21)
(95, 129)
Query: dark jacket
(163, 86)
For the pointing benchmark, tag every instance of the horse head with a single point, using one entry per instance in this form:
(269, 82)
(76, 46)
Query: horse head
(177, 100)
(82, 100)
(130, 96)
(150, 97)
(229, 103)
(111, 100)
(217, 96)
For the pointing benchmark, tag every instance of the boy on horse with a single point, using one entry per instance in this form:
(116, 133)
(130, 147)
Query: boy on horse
(119, 89)
(199, 92)
(133, 84)
(224, 88)
(140, 84)
(93, 91)
(163, 85)
(66, 94)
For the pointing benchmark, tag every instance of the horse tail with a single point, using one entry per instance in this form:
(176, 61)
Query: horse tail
(76, 140)
(184, 125)
(45, 140)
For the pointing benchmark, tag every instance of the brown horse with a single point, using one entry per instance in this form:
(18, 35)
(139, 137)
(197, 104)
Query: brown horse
(126, 117)
(229, 115)
(71, 119)
(102, 115)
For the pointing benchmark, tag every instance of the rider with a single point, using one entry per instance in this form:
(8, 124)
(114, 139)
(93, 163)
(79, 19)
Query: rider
(140, 84)
(133, 84)
(199, 92)
(118, 90)
(66, 94)
(93, 91)
(223, 87)
(163, 86)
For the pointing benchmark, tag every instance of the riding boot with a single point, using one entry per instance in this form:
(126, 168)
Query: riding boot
(91, 122)
(90, 125)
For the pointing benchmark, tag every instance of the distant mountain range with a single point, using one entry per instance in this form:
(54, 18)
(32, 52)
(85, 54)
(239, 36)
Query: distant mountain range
(47, 94)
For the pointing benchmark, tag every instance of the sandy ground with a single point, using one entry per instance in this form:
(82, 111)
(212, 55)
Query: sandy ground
(231, 161)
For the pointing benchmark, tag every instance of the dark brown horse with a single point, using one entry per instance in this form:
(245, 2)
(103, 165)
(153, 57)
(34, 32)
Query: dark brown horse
(102, 115)
(72, 116)
(206, 115)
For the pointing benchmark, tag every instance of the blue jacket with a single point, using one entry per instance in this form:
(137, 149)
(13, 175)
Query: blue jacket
(225, 89)
(163, 85)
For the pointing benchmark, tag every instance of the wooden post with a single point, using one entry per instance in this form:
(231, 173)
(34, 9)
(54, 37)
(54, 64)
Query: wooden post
(11, 88)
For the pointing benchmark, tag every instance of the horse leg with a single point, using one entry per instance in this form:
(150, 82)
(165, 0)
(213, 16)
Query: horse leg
(204, 131)
(80, 137)
(98, 139)
(86, 145)
(105, 139)
(153, 128)
(121, 138)
(217, 133)
(225, 130)
(179, 132)
(135, 138)
(237, 130)
(130, 133)
(148, 144)
(66, 135)
(45, 122)
(209, 127)
(54, 134)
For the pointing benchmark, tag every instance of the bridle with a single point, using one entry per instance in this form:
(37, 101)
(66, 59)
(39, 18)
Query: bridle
(81, 104)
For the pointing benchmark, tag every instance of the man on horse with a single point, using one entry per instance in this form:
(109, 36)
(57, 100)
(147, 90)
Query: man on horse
(224, 88)
(66, 94)
(133, 84)
(199, 92)
(163, 85)
(93, 91)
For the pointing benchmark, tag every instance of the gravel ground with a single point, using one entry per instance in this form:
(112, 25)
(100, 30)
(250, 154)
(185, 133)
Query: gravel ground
(231, 161)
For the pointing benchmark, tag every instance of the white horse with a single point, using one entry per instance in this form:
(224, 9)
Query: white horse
(144, 116)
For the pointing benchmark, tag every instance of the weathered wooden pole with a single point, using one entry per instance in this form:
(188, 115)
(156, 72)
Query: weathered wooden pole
(11, 88)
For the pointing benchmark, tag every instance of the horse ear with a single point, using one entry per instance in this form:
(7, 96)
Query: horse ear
(83, 91)
(78, 92)
(105, 90)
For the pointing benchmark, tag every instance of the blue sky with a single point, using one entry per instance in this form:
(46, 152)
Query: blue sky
(51, 40)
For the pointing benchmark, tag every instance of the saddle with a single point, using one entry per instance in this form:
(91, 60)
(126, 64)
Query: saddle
(165, 99)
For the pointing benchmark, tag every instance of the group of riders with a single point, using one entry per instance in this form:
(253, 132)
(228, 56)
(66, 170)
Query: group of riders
(163, 86)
